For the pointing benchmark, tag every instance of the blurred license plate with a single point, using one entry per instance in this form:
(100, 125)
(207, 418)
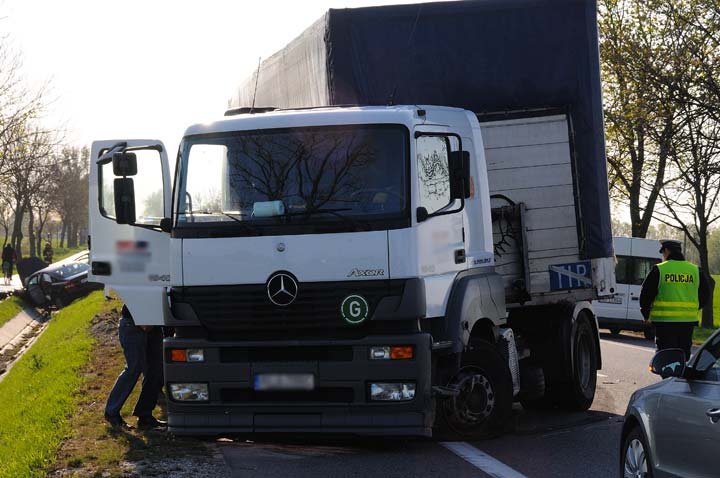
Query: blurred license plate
(612, 300)
(284, 381)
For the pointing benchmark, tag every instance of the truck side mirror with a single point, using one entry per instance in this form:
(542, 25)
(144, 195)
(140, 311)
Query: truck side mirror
(124, 164)
(124, 200)
(459, 166)
(422, 214)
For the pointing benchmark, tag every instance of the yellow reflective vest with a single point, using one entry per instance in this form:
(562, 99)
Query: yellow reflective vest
(677, 296)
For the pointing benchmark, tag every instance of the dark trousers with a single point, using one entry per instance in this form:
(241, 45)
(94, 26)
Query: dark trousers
(674, 336)
(143, 355)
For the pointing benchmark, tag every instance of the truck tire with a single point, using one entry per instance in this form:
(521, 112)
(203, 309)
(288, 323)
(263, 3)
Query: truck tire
(569, 382)
(579, 392)
(484, 402)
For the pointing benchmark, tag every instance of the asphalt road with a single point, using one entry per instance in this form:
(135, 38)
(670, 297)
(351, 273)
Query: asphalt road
(543, 444)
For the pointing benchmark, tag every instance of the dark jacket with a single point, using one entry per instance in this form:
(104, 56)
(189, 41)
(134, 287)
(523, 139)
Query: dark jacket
(650, 288)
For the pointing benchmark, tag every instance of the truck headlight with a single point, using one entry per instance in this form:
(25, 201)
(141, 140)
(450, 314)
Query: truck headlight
(391, 352)
(195, 355)
(392, 392)
(187, 355)
(189, 392)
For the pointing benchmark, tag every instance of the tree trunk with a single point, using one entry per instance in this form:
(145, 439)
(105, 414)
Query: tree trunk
(707, 312)
(72, 236)
(17, 235)
(63, 233)
(31, 232)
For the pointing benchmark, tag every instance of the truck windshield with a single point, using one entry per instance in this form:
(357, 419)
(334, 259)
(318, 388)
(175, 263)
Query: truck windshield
(294, 180)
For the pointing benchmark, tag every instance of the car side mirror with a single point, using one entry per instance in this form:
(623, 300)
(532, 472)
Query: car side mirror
(124, 164)
(459, 166)
(124, 200)
(668, 363)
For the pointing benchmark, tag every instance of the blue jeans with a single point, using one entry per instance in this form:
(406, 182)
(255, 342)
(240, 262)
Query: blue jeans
(143, 355)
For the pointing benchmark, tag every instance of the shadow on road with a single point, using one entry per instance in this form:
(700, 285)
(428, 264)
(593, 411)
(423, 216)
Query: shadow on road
(630, 339)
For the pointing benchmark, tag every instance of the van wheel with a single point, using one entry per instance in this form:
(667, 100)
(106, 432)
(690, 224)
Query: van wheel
(484, 401)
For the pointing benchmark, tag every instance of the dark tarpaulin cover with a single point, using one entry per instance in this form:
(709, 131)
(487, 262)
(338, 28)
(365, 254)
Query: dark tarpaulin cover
(485, 56)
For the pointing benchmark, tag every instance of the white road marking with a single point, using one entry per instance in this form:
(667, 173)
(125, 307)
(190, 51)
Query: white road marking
(601, 375)
(481, 461)
(636, 347)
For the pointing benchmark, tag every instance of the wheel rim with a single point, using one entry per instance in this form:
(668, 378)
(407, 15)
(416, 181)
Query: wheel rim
(475, 401)
(583, 360)
(635, 460)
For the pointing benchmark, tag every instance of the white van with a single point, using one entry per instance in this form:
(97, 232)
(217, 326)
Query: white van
(635, 258)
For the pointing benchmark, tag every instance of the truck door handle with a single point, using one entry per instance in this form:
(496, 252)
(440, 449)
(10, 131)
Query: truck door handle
(634, 298)
(101, 268)
(714, 414)
(460, 256)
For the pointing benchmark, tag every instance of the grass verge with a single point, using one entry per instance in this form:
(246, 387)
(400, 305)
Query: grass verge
(40, 392)
(701, 334)
(60, 253)
(9, 308)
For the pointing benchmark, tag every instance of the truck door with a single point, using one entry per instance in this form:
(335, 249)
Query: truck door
(129, 205)
(441, 241)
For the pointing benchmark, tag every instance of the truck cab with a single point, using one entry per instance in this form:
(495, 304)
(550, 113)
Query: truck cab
(635, 258)
(302, 257)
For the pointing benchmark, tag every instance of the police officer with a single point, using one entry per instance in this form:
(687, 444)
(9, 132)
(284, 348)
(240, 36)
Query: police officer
(671, 296)
(142, 346)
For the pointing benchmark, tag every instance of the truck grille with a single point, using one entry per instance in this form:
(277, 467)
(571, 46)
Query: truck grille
(245, 310)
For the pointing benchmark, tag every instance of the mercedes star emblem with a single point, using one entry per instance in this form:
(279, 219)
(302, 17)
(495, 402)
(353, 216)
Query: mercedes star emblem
(282, 289)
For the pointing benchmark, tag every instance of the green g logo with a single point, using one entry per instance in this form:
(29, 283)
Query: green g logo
(354, 309)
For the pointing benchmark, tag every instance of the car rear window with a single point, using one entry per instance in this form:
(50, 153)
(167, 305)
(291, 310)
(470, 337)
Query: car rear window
(72, 269)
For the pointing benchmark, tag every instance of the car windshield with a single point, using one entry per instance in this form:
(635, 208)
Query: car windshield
(285, 178)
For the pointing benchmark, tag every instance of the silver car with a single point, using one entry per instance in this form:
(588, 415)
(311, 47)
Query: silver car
(672, 428)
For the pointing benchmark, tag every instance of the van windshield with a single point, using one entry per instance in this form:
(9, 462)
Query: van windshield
(286, 181)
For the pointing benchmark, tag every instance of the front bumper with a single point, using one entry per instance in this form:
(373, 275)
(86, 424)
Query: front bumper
(339, 403)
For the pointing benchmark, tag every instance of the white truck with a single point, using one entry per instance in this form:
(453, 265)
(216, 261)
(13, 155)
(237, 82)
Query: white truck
(366, 269)
(635, 258)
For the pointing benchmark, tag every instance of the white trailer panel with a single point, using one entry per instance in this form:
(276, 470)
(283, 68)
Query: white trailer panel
(535, 211)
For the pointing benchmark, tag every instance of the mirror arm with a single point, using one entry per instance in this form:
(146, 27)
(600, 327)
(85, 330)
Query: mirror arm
(444, 211)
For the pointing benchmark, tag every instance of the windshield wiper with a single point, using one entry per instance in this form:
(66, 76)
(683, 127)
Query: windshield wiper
(235, 217)
(245, 224)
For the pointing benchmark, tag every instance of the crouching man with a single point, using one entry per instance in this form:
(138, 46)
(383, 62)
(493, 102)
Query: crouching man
(142, 346)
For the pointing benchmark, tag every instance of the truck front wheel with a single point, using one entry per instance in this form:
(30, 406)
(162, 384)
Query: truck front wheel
(483, 401)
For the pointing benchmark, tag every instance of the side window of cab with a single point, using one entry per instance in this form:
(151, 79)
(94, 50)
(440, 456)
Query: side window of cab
(433, 172)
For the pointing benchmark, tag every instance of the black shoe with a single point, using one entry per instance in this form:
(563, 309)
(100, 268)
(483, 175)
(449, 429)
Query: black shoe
(117, 422)
(151, 422)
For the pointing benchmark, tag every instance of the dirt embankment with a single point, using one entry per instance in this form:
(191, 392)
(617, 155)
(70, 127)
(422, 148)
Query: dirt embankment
(93, 449)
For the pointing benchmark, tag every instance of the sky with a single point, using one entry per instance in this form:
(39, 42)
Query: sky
(149, 69)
